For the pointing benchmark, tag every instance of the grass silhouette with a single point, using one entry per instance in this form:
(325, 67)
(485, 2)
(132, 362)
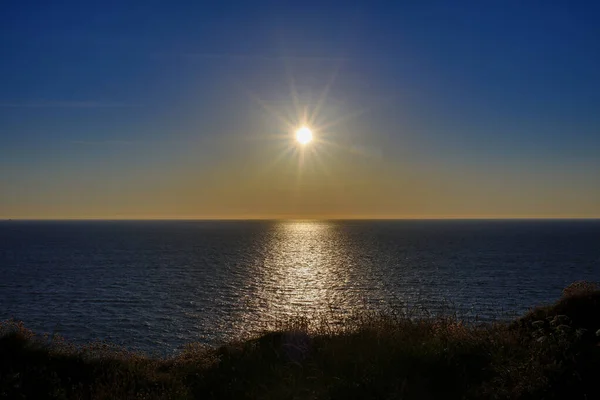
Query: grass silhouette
(552, 352)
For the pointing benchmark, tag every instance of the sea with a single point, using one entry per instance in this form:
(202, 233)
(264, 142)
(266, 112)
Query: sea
(156, 285)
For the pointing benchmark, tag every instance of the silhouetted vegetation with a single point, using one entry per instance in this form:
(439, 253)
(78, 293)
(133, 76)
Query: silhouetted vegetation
(552, 353)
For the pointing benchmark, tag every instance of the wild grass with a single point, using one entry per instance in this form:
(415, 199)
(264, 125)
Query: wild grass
(552, 352)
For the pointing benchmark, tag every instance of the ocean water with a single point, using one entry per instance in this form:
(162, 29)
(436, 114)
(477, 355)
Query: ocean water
(155, 285)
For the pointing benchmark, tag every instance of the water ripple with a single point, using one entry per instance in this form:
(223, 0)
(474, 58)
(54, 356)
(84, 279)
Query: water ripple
(158, 285)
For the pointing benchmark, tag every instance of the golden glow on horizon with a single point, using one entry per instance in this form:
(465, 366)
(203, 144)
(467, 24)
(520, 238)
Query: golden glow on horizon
(304, 135)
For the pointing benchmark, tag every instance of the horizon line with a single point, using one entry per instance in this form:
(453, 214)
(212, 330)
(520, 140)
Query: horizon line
(233, 219)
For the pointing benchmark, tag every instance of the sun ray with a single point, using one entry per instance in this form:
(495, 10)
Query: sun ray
(286, 152)
(292, 85)
(271, 110)
(324, 94)
(306, 136)
(299, 169)
(322, 165)
(343, 118)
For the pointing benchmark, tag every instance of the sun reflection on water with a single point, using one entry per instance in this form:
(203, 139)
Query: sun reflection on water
(296, 267)
(306, 269)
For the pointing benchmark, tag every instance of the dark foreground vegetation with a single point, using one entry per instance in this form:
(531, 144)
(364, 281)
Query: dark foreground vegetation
(552, 352)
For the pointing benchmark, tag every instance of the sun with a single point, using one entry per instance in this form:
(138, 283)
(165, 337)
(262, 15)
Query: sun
(304, 135)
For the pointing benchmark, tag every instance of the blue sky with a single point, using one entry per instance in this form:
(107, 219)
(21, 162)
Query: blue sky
(438, 108)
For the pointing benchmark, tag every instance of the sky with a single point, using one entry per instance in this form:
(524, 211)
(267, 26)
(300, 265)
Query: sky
(429, 109)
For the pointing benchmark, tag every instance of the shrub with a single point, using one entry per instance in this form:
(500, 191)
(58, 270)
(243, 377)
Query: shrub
(579, 288)
(551, 356)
